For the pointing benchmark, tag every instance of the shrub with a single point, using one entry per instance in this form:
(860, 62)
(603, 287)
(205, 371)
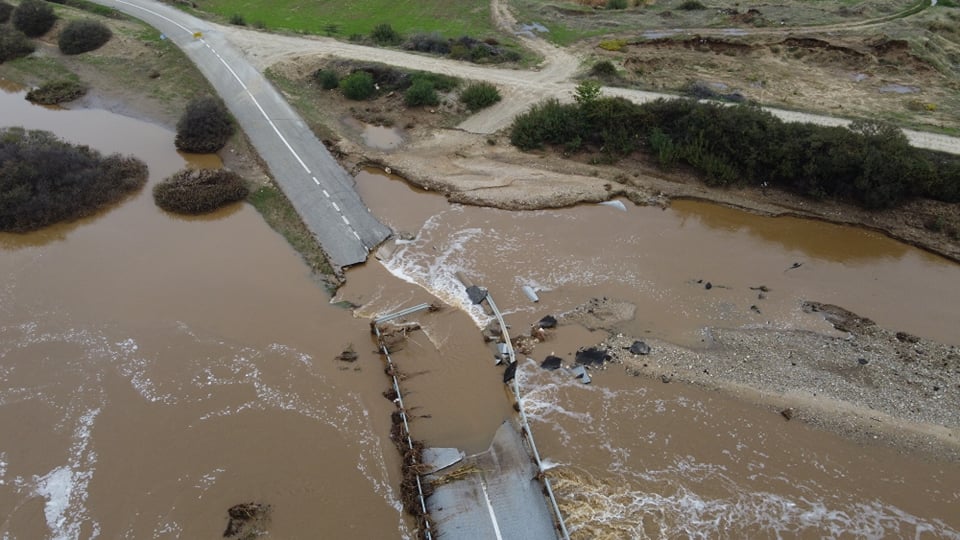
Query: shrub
(82, 36)
(54, 92)
(548, 122)
(205, 126)
(617, 4)
(613, 45)
(421, 92)
(358, 86)
(46, 180)
(691, 5)
(443, 83)
(238, 20)
(587, 92)
(479, 95)
(327, 78)
(384, 34)
(33, 17)
(432, 43)
(199, 191)
(5, 11)
(604, 68)
(13, 44)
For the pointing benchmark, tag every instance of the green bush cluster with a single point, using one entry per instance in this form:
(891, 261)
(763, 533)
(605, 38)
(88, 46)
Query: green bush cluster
(604, 69)
(54, 92)
(617, 4)
(238, 20)
(692, 5)
(420, 93)
(358, 86)
(45, 180)
(13, 44)
(33, 17)
(198, 191)
(327, 78)
(479, 96)
(205, 126)
(384, 34)
(83, 36)
(5, 11)
(870, 164)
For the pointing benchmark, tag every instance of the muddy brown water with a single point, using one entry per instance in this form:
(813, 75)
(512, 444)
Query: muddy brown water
(155, 370)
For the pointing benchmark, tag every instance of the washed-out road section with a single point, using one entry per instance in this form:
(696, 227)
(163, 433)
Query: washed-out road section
(317, 186)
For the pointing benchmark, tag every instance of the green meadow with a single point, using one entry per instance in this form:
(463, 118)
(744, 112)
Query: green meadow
(343, 19)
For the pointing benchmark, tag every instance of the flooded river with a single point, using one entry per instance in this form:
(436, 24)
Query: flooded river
(155, 370)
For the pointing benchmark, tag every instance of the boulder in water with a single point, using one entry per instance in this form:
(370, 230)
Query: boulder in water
(639, 347)
(551, 363)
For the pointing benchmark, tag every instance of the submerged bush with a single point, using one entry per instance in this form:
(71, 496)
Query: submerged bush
(13, 44)
(205, 126)
(54, 92)
(33, 17)
(479, 96)
(83, 36)
(198, 191)
(44, 180)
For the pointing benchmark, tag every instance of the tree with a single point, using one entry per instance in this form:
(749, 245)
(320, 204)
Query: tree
(33, 17)
(82, 36)
(205, 126)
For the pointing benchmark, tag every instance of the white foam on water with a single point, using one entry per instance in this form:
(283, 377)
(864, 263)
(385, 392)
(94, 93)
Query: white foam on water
(3, 468)
(598, 507)
(418, 263)
(65, 487)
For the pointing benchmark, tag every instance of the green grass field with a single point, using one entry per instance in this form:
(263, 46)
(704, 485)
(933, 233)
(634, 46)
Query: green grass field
(343, 19)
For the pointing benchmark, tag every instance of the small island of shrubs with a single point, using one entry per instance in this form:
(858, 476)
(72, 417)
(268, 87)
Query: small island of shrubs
(198, 191)
(44, 180)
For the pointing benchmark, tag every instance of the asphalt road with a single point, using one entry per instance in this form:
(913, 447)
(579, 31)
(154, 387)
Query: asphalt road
(319, 189)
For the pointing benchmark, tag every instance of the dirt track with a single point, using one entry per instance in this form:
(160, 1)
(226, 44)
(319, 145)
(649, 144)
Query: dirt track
(520, 89)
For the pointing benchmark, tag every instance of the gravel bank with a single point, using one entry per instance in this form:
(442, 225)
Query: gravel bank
(867, 383)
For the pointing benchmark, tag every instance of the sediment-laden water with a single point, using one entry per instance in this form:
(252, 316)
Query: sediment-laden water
(156, 370)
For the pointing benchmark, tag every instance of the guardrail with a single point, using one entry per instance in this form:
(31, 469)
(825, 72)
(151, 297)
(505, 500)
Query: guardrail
(392, 371)
(524, 424)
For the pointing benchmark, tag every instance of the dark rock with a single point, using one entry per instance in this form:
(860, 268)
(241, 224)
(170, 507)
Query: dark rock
(510, 373)
(754, 309)
(551, 363)
(665, 378)
(708, 286)
(592, 356)
(348, 355)
(787, 413)
(476, 294)
(909, 338)
(863, 361)
(547, 322)
(247, 520)
(639, 347)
